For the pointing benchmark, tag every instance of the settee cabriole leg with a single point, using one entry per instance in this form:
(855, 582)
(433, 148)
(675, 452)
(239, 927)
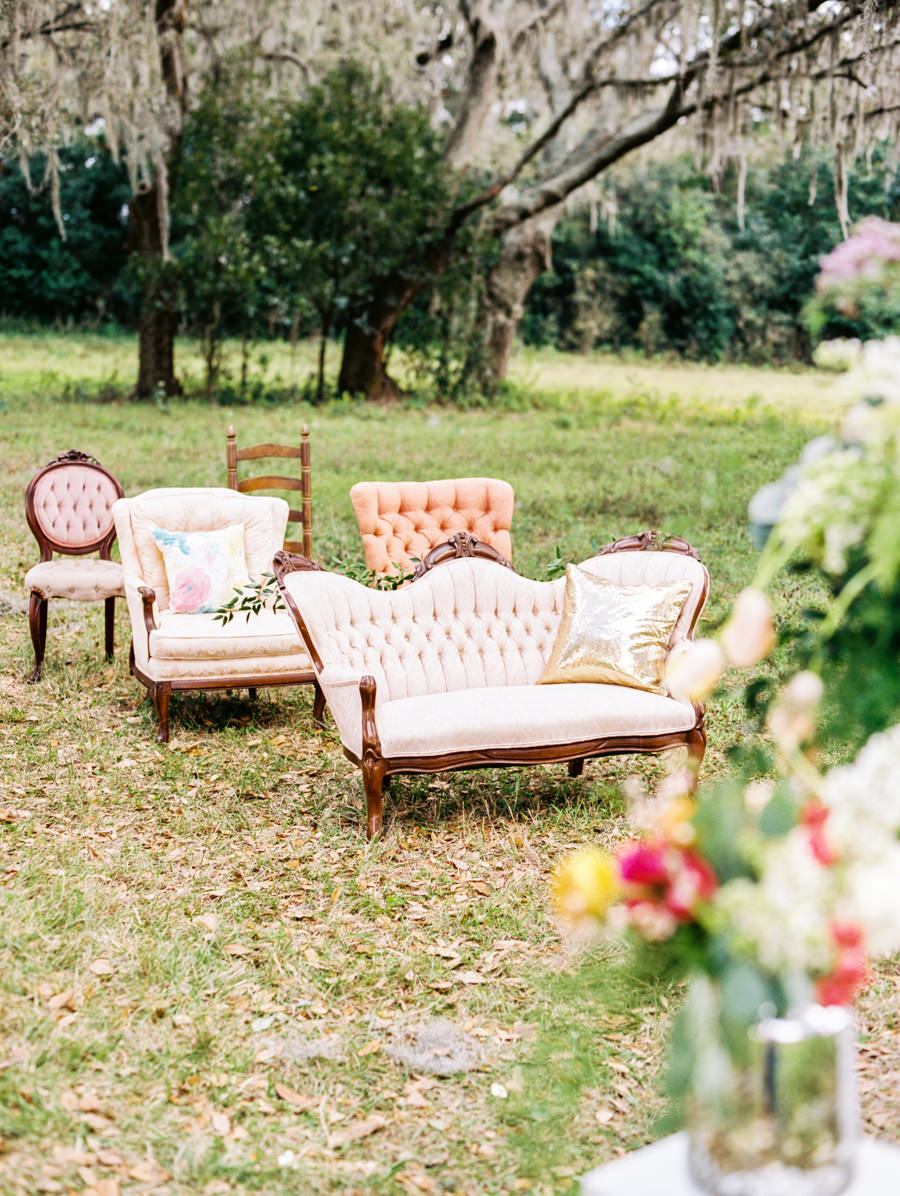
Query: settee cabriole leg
(318, 705)
(110, 605)
(161, 695)
(576, 767)
(131, 658)
(696, 752)
(37, 625)
(373, 779)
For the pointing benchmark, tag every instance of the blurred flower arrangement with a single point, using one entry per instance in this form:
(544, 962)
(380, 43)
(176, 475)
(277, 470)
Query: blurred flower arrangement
(777, 891)
(858, 287)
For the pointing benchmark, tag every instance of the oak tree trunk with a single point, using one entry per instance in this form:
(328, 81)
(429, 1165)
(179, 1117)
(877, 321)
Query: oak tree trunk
(156, 329)
(525, 254)
(363, 365)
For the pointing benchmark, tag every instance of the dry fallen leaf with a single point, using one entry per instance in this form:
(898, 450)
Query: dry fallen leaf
(296, 1099)
(89, 1102)
(470, 977)
(101, 967)
(148, 1172)
(221, 1124)
(209, 921)
(371, 1047)
(62, 1000)
(236, 949)
(355, 1131)
(103, 1187)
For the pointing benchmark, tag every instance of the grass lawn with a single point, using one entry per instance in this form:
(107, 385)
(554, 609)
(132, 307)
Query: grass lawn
(209, 981)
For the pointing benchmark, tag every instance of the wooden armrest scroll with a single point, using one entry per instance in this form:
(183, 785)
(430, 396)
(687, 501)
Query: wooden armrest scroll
(148, 597)
(370, 741)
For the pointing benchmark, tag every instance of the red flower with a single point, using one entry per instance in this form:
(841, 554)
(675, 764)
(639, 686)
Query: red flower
(814, 816)
(850, 971)
(848, 976)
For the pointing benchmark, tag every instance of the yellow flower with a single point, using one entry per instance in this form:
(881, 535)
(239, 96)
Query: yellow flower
(584, 885)
(675, 821)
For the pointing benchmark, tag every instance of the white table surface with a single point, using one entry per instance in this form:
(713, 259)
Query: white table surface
(661, 1170)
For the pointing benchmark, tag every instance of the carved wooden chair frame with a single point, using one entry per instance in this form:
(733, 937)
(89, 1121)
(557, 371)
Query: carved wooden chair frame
(377, 769)
(37, 603)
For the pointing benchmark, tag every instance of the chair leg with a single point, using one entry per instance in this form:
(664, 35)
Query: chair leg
(373, 778)
(161, 694)
(576, 767)
(37, 623)
(252, 692)
(110, 626)
(696, 752)
(318, 705)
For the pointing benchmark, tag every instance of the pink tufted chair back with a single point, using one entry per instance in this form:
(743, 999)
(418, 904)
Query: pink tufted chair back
(400, 521)
(68, 505)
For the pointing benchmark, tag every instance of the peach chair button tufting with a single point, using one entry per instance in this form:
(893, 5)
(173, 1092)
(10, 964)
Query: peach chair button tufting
(400, 522)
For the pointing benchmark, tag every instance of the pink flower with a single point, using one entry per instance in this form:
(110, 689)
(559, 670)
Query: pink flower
(643, 864)
(693, 669)
(191, 590)
(749, 635)
(651, 920)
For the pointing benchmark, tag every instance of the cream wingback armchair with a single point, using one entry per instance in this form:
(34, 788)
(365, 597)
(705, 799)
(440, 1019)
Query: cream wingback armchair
(445, 673)
(173, 650)
(401, 521)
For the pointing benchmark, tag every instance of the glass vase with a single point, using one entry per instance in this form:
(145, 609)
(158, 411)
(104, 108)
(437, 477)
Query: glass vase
(772, 1110)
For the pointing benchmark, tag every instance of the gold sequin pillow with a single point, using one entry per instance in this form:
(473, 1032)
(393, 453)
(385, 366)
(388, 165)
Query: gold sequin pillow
(614, 634)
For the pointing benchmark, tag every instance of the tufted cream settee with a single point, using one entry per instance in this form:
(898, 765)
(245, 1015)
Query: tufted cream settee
(442, 674)
(175, 651)
(402, 521)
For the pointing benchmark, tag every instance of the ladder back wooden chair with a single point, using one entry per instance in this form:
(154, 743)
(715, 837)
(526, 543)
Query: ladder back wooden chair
(277, 482)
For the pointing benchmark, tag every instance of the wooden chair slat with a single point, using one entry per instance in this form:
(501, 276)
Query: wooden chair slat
(273, 482)
(269, 450)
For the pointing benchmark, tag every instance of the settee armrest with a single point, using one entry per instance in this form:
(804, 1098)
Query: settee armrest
(342, 690)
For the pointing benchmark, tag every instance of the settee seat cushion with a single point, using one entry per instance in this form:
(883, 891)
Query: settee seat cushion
(199, 637)
(520, 716)
(81, 579)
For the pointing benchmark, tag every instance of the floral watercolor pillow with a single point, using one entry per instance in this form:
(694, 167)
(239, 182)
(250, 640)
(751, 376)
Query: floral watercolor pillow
(202, 568)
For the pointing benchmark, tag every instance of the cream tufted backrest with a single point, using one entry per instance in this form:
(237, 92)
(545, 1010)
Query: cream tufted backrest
(196, 509)
(400, 521)
(465, 624)
(647, 568)
(70, 504)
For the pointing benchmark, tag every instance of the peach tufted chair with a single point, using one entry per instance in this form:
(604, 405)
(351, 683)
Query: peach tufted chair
(174, 651)
(68, 505)
(402, 521)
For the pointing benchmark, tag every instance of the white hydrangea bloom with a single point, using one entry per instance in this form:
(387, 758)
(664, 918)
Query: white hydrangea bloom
(864, 798)
(873, 901)
(783, 918)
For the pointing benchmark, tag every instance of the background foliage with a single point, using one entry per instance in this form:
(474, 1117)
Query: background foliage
(276, 232)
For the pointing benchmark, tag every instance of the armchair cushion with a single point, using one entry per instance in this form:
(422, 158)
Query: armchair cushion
(200, 636)
(203, 569)
(613, 633)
